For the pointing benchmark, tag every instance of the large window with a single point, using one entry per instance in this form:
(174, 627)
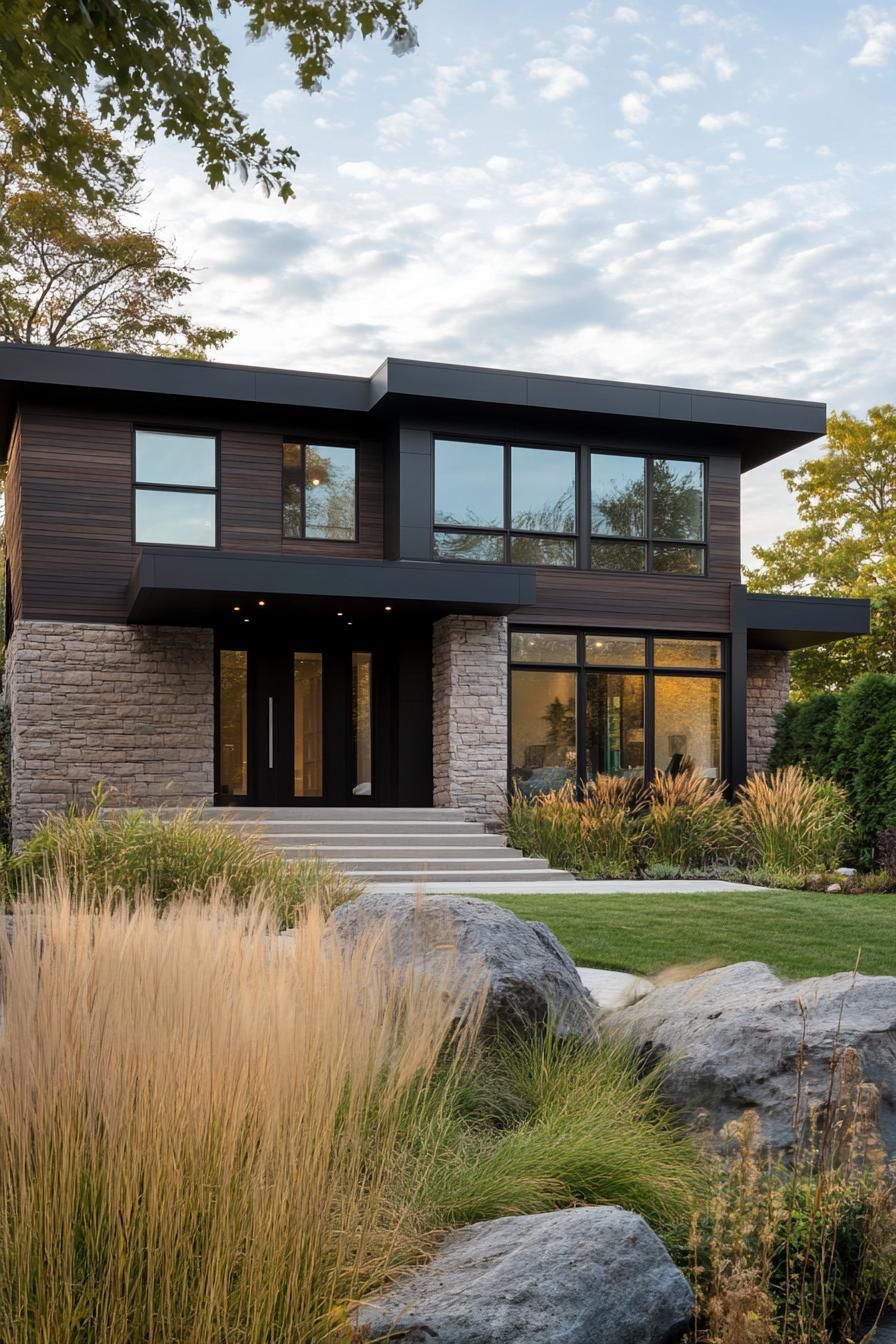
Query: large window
(505, 503)
(647, 514)
(319, 492)
(589, 703)
(175, 488)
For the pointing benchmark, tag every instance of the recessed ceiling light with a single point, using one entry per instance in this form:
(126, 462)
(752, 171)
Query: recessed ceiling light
(348, 622)
(339, 613)
(261, 601)
(245, 620)
(236, 608)
(388, 608)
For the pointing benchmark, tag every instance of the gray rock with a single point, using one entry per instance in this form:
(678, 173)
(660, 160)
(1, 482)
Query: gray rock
(527, 975)
(732, 1040)
(579, 1276)
(846, 872)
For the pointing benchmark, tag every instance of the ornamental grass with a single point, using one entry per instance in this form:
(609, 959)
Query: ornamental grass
(792, 822)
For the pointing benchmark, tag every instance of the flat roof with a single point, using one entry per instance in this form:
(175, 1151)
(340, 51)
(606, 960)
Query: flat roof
(759, 427)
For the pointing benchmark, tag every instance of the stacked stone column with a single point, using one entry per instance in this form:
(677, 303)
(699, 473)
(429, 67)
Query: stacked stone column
(469, 680)
(768, 690)
(131, 705)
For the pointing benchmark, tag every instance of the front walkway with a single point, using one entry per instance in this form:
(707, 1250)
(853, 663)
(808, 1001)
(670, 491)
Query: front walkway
(566, 888)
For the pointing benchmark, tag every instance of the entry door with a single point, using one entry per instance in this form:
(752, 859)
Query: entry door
(296, 727)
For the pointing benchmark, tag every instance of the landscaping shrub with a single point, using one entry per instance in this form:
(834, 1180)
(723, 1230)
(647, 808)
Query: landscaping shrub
(866, 753)
(688, 822)
(594, 836)
(123, 855)
(792, 822)
(885, 853)
(814, 734)
(783, 751)
(233, 1136)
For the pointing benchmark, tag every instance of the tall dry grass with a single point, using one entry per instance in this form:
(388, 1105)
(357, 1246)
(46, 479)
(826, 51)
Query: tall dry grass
(595, 835)
(204, 1127)
(792, 822)
(688, 822)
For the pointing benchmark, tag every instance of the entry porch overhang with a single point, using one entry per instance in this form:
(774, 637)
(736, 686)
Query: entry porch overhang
(789, 621)
(180, 588)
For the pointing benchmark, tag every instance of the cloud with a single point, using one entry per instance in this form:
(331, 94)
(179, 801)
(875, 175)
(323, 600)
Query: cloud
(279, 99)
(361, 171)
(635, 108)
(775, 142)
(719, 121)
(878, 28)
(558, 79)
(694, 17)
(722, 65)
(679, 81)
(624, 14)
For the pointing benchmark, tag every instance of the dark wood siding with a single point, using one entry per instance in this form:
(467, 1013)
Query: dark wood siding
(76, 482)
(13, 522)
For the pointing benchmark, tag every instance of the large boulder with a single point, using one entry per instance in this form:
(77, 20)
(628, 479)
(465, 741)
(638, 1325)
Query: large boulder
(736, 1039)
(580, 1276)
(526, 975)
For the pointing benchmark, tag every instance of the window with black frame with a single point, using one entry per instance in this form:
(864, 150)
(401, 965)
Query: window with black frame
(175, 488)
(505, 503)
(648, 514)
(320, 486)
(588, 703)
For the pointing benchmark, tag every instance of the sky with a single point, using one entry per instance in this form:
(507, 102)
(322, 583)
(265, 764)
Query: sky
(666, 193)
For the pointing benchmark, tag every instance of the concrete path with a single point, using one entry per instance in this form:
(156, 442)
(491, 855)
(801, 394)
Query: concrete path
(570, 888)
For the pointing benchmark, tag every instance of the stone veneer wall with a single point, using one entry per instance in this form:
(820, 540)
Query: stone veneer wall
(768, 690)
(132, 705)
(469, 690)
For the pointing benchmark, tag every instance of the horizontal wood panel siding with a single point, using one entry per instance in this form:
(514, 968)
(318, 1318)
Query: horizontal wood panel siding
(13, 522)
(77, 552)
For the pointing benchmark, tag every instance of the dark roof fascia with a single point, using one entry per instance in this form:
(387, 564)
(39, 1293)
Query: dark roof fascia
(760, 428)
(181, 584)
(793, 621)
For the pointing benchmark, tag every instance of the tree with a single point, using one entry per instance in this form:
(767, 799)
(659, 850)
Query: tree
(844, 547)
(75, 269)
(155, 66)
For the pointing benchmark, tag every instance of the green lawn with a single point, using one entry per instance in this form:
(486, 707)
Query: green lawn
(798, 933)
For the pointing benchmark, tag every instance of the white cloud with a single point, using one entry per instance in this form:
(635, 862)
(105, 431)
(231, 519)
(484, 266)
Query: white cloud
(503, 95)
(278, 100)
(624, 14)
(719, 121)
(775, 142)
(635, 108)
(499, 163)
(420, 114)
(722, 65)
(878, 28)
(694, 17)
(361, 170)
(678, 82)
(558, 79)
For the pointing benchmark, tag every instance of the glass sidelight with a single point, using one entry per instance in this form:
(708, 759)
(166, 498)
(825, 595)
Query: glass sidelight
(308, 727)
(362, 734)
(233, 718)
(614, 724)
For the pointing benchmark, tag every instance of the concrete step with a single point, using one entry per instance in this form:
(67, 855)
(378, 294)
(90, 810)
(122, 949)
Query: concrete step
(399, 840)
(328, 814)
(459, 881)
(472, 863)
(424, 855)
(464, 831)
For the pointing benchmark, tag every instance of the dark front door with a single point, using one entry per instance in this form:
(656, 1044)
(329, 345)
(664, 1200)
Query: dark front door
(296, 726)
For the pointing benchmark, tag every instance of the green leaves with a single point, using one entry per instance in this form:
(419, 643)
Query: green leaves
(158, 66)
(845, 546)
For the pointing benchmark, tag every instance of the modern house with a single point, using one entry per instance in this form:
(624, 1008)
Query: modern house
(257, 586)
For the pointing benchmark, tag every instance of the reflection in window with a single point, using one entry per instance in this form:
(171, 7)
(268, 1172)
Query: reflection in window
(362, 731)
(319, 490)
(174, 518)
(615, 650)
(618, 496)
(678, 559)
(623, 555)
(687, 652)
(614, 724)
(542, 551)
(469, 484)
(175, 497)
(233, 735)
(308, 743)
(469, 546)
(542, 730)
(677, 500)
(688, 723)
(542, 490)
(540, 647)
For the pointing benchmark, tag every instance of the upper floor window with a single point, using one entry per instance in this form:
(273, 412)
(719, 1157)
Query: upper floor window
(319, 492)
(505, 503)
(647, 514)
(175, 488)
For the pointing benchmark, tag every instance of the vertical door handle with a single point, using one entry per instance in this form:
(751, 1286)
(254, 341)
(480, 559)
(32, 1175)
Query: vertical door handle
(270, 732)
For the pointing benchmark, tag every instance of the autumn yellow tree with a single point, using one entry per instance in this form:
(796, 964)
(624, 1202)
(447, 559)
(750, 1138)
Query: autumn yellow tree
(78, 269)
(845, 545)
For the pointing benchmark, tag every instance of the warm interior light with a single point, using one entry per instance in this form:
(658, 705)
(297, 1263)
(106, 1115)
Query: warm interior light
(261, 601)
(315, 481)
(388, 608)
(236, 608)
